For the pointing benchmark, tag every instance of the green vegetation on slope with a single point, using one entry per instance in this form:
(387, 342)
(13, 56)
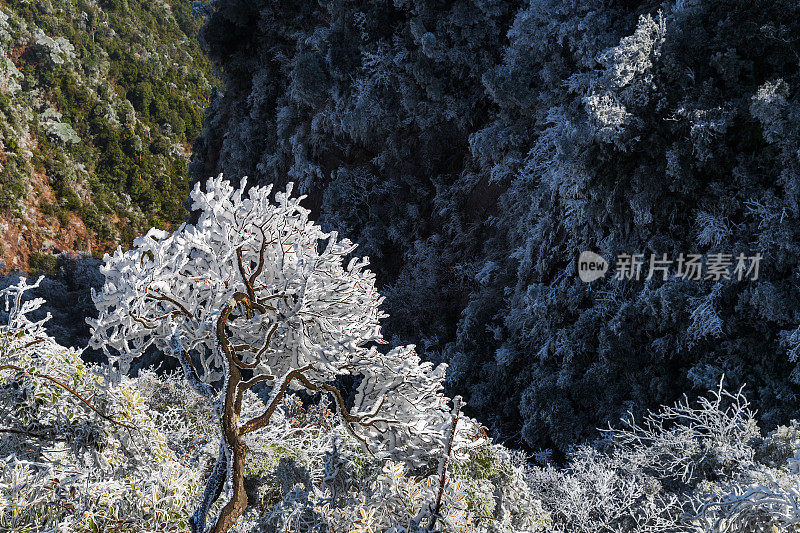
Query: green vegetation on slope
(102, 101)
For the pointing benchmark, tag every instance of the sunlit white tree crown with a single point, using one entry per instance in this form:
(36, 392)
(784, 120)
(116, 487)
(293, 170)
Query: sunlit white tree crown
(322, 311)
(306, 311)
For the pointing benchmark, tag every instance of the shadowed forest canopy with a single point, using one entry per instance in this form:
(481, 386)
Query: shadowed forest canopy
(474, 147)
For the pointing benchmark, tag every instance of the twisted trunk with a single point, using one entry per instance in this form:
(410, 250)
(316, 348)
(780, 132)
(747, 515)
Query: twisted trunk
(233, 450)
(237, 450)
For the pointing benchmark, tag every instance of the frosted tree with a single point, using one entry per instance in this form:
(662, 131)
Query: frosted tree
(256, 293)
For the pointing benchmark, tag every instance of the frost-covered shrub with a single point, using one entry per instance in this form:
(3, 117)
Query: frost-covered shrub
(763, 498)
(602, 492)
(317, 478)
(700, 467)
(54, 51)
(713, 440)
(9, 76)
(77, 454)
(81, 454)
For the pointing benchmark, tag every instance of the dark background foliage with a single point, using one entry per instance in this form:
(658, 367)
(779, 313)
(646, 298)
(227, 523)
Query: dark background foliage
(474, 147)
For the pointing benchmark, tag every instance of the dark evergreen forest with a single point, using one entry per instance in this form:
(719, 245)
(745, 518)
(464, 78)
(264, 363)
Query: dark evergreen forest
(473, 148)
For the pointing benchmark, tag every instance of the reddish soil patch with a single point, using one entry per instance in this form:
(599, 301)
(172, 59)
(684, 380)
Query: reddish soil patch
(37, 232)
(16, 51)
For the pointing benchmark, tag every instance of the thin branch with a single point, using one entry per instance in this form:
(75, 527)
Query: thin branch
(164, 298)
(260, 266)
(445, 460)
(250, 293)
(29, 434)
(37, 341)
(250, 383)
(241, 347)
(237, 298)
(262, 300)
(346, 416)
(263, 419)
(263, 349)
(193, 376)
(141, 321)
(68, 389)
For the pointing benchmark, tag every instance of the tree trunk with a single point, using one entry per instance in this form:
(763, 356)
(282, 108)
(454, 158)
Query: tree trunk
(231, 438)
(235, 507)
(232, 445)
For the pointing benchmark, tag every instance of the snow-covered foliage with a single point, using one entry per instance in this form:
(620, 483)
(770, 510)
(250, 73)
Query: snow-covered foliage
(323, 481)
(82, 455)
(79, 455)
(322, 311)
(67, 298)
(700, 468)
(69, 462)
(57, 50)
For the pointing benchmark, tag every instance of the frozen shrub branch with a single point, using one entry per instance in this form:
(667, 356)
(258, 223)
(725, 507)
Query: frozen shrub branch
(715, 435)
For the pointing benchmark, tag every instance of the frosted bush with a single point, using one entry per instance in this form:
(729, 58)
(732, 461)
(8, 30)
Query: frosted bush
(76, 453)
(705, 320)
(769, 106)
(57, 51)
(692, 443)
(62, 131)
(700, 467)
(627, 79)
(600, 492)
(767, 504)
(762, 498)
(609, 115)
(10, 76)
(712, 230)
(133, 456)
(319, 479)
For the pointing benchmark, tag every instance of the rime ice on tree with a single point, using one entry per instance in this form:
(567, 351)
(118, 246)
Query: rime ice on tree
(256, 292)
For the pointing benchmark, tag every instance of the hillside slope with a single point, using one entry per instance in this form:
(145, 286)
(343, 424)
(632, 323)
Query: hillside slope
(99, 105)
